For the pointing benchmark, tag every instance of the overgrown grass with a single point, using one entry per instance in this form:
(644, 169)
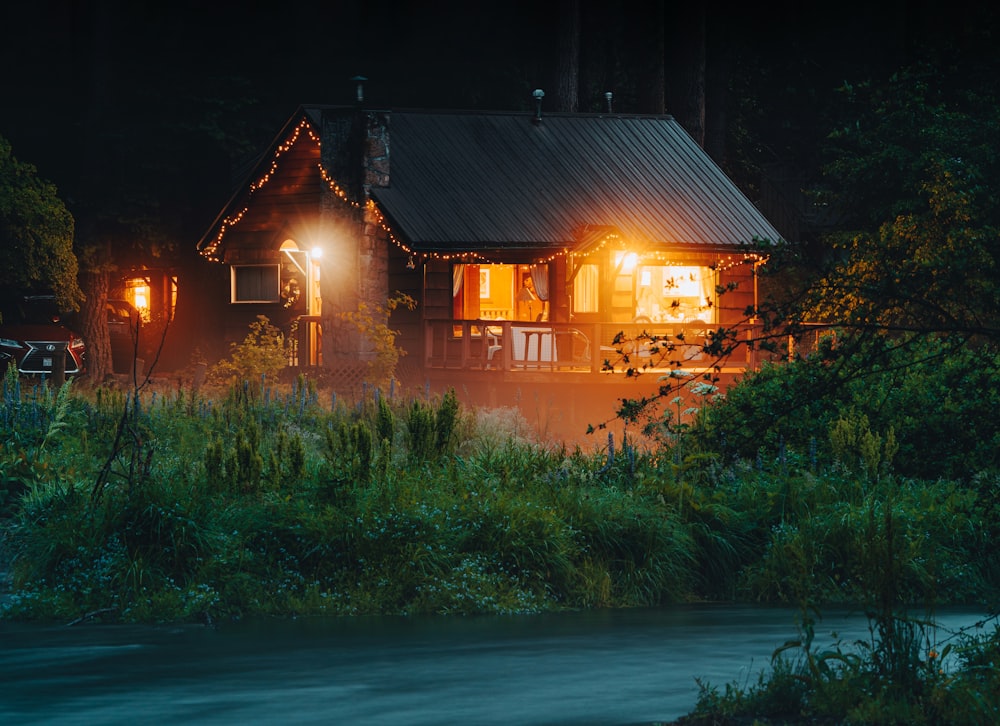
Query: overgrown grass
(176, 505)
(262, 500)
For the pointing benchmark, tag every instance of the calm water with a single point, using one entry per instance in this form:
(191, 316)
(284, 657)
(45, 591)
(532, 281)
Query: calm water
(617, 667)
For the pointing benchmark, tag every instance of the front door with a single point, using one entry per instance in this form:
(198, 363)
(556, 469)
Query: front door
(301, 296)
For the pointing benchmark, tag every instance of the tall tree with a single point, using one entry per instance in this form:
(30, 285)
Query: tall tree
(36, 234)
(145, 156)
(919, 252)
(567, 96)
(654, 81)
(685, 77)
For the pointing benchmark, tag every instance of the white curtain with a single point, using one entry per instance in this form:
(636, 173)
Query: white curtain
(585, 287)
(457, 276)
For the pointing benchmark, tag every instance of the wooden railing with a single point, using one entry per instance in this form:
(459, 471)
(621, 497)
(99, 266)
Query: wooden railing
(544, 346)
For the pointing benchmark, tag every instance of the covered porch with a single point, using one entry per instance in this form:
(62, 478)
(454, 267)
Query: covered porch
(512, 348)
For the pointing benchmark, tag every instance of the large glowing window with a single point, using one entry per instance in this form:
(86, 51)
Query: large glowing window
(675, 293)
(500, 292)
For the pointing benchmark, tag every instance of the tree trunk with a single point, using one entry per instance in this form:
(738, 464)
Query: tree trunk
(568, 60)
(92, 243)
(94, 323)
(686, 74)
(655, 86)
(717, 93)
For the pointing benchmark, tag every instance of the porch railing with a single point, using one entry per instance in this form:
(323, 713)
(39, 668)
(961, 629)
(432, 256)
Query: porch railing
(510, 345)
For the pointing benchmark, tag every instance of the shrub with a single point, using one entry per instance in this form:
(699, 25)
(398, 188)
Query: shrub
(262, 354)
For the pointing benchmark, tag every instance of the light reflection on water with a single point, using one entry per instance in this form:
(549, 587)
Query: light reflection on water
(582, 668)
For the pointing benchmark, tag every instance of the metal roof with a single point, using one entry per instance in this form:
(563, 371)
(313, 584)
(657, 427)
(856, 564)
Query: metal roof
(467, 181)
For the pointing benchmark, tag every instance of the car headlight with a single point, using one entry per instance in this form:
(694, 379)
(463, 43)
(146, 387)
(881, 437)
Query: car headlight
(9, 343)
(76, 343)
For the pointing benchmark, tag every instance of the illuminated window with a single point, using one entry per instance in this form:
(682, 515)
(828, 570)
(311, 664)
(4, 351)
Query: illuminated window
(500, 292)
(675, 293)
(137, 293)
(255, 283)
(586, 285)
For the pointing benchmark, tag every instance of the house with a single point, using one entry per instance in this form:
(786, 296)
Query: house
(539, 248)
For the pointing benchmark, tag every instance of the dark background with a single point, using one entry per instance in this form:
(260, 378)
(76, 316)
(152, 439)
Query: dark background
(150, 111)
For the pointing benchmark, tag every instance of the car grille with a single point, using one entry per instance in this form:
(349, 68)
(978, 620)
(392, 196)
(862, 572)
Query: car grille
(43, 353)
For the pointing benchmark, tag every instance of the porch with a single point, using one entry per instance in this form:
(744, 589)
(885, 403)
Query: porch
(515, 349)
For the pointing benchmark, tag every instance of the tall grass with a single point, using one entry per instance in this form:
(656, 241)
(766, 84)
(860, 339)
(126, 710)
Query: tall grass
(266, 500)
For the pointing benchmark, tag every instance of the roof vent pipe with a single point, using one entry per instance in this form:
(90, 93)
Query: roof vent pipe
(608, 95)
(538, 95)
(360, 81)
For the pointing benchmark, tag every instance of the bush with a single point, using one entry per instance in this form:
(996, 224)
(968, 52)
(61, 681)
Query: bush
(262, 354)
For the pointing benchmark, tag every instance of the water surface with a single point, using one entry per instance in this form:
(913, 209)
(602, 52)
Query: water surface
(589, 668)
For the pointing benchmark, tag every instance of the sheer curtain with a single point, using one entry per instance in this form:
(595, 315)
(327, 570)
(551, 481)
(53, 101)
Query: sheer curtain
(540, 278)
(708, 303)
(585, 287)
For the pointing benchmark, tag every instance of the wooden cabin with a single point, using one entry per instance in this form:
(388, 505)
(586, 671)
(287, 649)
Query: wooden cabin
(542, 250)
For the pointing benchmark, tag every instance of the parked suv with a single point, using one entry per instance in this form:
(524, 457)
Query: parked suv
(33, 336)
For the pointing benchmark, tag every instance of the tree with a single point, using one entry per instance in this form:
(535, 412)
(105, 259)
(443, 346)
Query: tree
(36, 234)
(568, 57)
(145, 156)
(914, 172)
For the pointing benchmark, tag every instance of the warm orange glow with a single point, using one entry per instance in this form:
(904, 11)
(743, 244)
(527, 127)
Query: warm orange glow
(137, 293)
(627, 261)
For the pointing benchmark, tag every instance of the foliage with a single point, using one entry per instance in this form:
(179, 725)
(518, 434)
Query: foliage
(271, 503)
(934, 404)
(36, 234)
(371, 322)
(262, 354)
(914, 255)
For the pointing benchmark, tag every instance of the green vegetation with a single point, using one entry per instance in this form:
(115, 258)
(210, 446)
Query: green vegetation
(261, 355)
(36, 234)
(171, 505)
(255, 499)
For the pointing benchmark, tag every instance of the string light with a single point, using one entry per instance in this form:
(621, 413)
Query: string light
(234, 219)
(665, 258)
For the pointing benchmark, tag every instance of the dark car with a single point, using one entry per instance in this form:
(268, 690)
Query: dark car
(34, 337)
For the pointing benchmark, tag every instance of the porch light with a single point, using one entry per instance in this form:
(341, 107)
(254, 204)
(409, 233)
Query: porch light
(316, 253)
(627, 261)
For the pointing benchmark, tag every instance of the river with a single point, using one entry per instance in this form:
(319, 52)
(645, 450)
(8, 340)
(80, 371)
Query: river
(602, 668)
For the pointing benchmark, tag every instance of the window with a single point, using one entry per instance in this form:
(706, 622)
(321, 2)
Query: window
(586, 286)
(137, 292)
(255, 283)
(675, 293)
(500, 292)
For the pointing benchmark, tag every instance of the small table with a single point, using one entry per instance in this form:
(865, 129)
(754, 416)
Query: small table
(538, 334)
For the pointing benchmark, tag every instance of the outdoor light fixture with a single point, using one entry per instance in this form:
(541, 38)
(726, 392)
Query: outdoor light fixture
(627, 261)
(316, 253)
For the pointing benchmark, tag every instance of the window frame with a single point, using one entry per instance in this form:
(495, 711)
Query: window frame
(234, 291)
